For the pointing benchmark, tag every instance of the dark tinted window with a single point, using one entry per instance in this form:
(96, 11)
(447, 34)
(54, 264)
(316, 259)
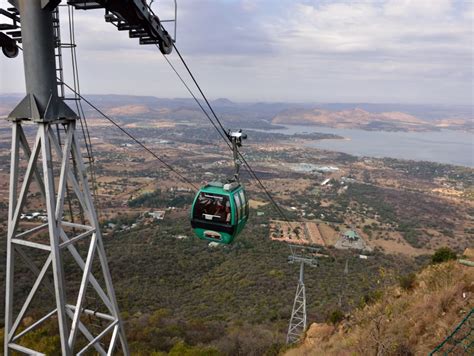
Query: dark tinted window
(212, 207)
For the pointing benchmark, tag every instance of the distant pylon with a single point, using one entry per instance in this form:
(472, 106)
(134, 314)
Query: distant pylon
(343, 282)
(298, 315)
(303, 255)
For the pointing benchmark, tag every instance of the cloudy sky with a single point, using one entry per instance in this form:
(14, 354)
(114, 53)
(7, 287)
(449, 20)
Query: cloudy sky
(393, 51)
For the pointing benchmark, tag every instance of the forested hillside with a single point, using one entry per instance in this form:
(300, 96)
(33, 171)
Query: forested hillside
(181, 293)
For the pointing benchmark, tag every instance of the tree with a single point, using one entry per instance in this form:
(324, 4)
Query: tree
(443, 254)
(407, 281)
(336, 316)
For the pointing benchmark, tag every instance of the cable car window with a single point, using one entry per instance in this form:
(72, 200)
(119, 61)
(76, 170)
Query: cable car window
(212, 207)
(242, 204)
(245, 203)
(238, 206)
(247, 208)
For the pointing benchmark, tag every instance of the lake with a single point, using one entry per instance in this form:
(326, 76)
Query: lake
(446, 146)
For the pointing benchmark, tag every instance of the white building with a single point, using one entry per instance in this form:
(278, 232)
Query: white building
(158, 215)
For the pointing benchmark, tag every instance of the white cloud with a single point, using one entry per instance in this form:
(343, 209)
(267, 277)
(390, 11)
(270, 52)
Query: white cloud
(406, 38)
(249, 5)
(417, 8)
(394, 50)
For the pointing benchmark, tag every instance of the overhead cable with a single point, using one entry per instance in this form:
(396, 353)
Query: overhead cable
(222, 130)
(138, 142)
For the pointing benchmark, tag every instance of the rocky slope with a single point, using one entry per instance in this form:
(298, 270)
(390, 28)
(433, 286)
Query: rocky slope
(405, 321)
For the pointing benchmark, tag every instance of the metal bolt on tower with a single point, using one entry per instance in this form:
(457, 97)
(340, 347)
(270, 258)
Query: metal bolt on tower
(298, 322)
(53, 163)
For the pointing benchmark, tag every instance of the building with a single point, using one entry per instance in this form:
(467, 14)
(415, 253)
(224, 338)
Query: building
(326, 181)
(351, 235)
(350, 239)
(157, 215)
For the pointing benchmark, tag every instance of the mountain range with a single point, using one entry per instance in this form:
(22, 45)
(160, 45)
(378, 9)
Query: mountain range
(366, 116)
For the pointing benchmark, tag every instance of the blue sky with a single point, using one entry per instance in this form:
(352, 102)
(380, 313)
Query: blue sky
(401, 51)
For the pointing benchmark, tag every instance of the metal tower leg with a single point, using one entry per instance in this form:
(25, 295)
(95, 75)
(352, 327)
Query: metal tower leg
(60, 239)
(298, 315)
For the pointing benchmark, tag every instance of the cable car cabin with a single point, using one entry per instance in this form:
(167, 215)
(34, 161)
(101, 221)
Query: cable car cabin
(220, 212)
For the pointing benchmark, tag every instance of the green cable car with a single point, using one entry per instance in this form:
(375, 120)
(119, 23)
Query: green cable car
(221, 210)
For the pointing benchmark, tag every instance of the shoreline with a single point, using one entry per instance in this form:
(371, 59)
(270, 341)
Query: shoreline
(450, 147)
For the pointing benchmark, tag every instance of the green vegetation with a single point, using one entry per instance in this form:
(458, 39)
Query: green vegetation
(443, 254)
(405, 322)
(335, 317)
(407, 281)
(181, 294)
(182, 297)
(149, 200)
(159, 199)
(430, 170)
(396, 208)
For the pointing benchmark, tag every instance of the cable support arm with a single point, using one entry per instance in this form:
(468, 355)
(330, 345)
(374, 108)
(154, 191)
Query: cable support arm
(134, 16)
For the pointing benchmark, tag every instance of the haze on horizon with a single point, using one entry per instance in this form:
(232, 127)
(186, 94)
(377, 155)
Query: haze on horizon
(387, 51)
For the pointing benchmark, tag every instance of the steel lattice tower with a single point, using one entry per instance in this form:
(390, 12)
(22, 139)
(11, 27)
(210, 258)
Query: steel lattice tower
(298, 322)
(298, 314)
(53, 163)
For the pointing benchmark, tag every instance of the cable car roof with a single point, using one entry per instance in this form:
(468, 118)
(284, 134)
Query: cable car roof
(220, 188)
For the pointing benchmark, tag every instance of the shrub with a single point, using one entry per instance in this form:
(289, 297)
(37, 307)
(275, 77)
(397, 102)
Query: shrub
(336, 316)
(443, 254)
(407, 281)
(371, 297)
(181, 349)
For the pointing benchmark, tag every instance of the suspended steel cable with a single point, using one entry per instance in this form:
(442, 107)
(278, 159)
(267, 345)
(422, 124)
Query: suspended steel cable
(200, 90)
(222, 132)
(80, 109)
(277, 207)
(224, 136)
(75, 71)
(138, 142)
(167, 165)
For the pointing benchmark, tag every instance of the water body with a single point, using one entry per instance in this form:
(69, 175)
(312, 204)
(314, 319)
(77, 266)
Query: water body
(446, 146)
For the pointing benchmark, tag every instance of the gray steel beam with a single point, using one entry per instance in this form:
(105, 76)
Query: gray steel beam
(100, 247)
(28, 300)
(41, 102)
(14, 166)
(58, 269)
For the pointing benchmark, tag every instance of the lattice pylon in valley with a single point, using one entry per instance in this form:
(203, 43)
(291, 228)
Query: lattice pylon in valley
(298, 315)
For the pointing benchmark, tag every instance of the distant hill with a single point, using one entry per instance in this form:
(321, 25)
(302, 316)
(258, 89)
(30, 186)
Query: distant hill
(428, 112)
(362, 119)
(353, 118)
(377, 117)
